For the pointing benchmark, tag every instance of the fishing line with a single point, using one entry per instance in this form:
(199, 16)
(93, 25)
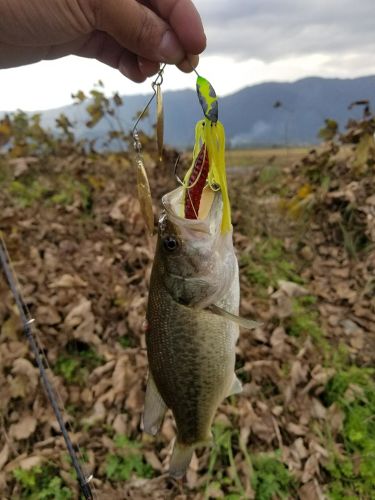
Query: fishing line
(42, 363)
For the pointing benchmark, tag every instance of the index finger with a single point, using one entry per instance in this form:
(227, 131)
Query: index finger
(185, 21)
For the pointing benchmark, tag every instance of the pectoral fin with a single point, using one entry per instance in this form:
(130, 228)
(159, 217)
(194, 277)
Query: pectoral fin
(154, 410)
(245, 323)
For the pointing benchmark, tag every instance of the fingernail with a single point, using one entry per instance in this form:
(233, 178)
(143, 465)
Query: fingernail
(189, 63)
(170, 49)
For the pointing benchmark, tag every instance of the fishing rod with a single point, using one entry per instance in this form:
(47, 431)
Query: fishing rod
(42, 363)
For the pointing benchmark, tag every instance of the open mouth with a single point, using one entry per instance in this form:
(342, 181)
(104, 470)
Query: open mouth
(199, 195)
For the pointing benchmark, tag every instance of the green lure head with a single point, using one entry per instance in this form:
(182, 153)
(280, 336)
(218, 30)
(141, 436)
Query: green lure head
(208, 99)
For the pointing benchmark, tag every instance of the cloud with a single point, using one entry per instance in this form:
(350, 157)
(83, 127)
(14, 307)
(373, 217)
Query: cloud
(269, 30)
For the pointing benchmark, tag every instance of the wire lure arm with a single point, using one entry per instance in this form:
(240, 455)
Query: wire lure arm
(158, 81)
(143, 186)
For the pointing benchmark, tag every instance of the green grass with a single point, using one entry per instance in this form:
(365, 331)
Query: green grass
(353, 389)
(126, 341)
(61, 190)
(41, 483)
(268, 263)
(26, 194)
(69, 190)
(127, 461)
(269, 174)
(221, 457)
(5, 173)
(271, 478)
(76, 363)
(304, 322)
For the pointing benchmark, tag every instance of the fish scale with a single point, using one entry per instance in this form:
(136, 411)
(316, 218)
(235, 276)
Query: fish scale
(187, 356)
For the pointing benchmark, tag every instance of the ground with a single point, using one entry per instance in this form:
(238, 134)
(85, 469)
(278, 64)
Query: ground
(304, 233)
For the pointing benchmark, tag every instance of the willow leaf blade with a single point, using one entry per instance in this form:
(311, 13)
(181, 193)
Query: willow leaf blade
(160, 121)
(144, 196)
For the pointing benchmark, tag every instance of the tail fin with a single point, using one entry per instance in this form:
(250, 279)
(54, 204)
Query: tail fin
(180, 459)
(182, 454)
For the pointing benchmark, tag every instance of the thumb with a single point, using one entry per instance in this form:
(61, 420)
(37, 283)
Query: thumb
(140, 30)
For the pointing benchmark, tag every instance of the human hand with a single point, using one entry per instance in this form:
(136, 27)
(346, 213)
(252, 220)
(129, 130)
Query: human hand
(133, 36)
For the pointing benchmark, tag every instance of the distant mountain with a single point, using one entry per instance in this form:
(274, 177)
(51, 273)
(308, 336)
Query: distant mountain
(252, 118)
(265, 114)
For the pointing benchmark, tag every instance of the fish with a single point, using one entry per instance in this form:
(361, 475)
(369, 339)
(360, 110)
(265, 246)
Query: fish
(192, 323)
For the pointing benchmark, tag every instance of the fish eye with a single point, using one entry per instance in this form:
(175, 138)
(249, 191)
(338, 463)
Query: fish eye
(170, 243)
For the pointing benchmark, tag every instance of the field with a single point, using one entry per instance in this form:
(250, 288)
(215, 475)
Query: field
(260, 157)
(304, 232)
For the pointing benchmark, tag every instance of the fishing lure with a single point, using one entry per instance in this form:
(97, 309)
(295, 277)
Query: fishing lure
(207, 171)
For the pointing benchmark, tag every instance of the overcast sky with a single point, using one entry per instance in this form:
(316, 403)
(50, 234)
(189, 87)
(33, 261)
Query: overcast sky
(249, 41)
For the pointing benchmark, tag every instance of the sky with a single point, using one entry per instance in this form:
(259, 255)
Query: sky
(249, 42)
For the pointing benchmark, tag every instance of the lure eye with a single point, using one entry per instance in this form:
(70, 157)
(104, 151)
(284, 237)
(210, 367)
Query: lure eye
(170, 244)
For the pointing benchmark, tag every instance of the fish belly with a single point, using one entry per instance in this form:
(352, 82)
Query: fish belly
(191, 357)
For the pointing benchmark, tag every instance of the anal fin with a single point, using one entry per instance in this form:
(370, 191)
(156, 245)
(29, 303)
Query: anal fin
(236, 387)
(154, 409)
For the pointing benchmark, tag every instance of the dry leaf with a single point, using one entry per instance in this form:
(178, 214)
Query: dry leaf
(4, 455)
(82, 321)
(298, 430)
(311, 469)
(24, 428)
(68, 281)
(153, 460)
(292, 289)
(23, 367)
(308, 492)
(97, 416)
(11, 328)
(30, 462)
(21, 165)
(47, 315)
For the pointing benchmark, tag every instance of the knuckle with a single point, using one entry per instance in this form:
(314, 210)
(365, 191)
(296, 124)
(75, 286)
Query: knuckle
(95, 11)
(89, 9)
(146, 33)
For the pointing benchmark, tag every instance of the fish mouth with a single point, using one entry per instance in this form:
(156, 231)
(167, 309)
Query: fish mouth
(210, 214)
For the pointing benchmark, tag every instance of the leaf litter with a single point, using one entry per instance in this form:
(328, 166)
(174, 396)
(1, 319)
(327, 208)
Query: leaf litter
(85, 277)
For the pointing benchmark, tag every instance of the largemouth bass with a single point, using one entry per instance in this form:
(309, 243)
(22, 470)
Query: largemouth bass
(192, 324)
